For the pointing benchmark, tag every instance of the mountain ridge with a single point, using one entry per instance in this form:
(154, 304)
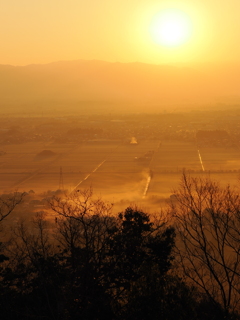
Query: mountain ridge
(70, 82)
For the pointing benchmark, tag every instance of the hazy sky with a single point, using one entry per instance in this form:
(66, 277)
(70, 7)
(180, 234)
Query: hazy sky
(115, 30)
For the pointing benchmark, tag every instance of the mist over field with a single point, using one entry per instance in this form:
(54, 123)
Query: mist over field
(125, 157)
(98, 86)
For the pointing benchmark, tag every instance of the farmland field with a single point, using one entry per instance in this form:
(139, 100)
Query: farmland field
(114, 169)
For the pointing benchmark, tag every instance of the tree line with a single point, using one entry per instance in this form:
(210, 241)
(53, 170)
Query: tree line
(183, 263)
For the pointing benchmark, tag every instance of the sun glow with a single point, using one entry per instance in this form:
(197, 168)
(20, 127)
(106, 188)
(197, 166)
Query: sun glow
(171, 28)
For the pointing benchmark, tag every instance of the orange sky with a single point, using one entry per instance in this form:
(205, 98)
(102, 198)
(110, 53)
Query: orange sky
(115, 30)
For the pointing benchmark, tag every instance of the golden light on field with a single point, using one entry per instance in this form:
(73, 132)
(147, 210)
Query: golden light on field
(171, 28)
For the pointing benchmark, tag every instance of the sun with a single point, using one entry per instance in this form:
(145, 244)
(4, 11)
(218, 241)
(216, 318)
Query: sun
(171, 28)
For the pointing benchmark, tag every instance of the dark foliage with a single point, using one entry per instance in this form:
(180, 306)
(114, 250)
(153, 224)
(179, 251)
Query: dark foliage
(100, 268)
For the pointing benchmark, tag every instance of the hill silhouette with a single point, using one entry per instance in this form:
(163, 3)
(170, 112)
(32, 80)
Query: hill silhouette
(45, 154)
(97, 83)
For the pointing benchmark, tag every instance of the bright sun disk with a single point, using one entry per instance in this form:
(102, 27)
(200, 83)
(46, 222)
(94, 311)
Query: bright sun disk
(171, 28)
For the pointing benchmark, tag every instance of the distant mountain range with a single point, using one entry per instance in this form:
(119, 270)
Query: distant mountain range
(96, 83)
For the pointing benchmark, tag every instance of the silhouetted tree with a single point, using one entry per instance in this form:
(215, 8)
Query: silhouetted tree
(207, 223)
(91, 264)
(106, 254)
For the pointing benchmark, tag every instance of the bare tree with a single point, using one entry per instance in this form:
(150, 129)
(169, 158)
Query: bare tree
(207, 220)
(31, 243)
(83, 223)
(8, 204)
(34, 267)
